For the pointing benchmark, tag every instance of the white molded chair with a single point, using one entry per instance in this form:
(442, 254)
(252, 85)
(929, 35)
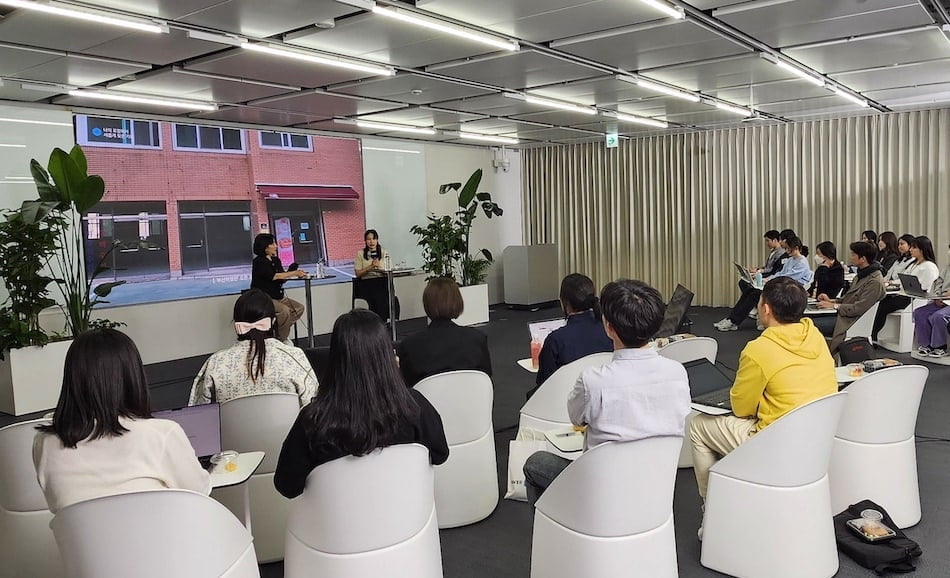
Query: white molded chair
(466, 486)
(691, 349)
(768, 504)
(154, 534)
(683, 351)
(874, 456)
(372, 515)
(27, 546)
(610, 513)
(259, 423)
(547, 408)
(862, 327)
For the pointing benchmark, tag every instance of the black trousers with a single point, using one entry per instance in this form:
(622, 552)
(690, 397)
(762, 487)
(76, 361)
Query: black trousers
(375, 291)
(889, 304)
(746, 303)
(825, 323)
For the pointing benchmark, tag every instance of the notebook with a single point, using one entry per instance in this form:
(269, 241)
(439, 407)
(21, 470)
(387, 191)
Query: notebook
(708, 387)
(540, 329)
(202, 425)
(911, 286)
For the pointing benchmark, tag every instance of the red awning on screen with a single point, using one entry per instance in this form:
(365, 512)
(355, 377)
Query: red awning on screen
(325, 192)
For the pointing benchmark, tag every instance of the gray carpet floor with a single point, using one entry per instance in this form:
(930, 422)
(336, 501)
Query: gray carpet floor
(500, 546)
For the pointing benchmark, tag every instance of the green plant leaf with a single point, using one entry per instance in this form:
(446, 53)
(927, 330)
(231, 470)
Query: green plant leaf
(483, 196)
(471, 187)
(103, 289)
(447, 187)
(46, 190)
(35, 211)
(89, 193)
(66, 174)
(79, 158)
(488, 255)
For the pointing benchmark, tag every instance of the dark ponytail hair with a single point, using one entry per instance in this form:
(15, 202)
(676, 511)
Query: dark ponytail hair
(579, 292)
(379, 247)
(254, 305)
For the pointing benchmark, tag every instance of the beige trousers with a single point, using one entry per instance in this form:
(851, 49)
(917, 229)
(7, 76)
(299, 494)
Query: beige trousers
(288, 312)
(714, 436)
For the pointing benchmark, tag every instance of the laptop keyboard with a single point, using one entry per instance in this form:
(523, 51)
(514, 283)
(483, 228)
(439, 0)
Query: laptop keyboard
(715, 399)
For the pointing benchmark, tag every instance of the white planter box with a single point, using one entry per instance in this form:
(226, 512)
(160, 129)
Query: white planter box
(31, 377)
(475, 298)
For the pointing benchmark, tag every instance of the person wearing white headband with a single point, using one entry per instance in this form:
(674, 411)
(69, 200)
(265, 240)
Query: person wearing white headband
(258, 362)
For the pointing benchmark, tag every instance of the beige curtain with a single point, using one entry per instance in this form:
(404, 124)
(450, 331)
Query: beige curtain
(680, 208)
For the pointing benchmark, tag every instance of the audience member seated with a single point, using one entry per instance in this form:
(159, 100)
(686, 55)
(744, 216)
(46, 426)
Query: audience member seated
(904, 260)
(776, 252)
(924, 267)
(363, 404)
(637, 395)
(103, 440)
(930, 321)
(869, 237)
(787, 366)
(829, 276)
(257, 363)
(866, 290)
(584, 333)
(268, 275)
(795, 267)
(888, 252)
(370, 269)
(443, 345)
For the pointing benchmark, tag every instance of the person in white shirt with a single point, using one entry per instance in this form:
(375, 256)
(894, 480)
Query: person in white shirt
(923, 266)
(103, 440)
(637, 395)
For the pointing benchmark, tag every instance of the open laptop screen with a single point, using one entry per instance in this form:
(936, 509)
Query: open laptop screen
(675, 311)
(540, 329)
(202, 425)
(704, 377)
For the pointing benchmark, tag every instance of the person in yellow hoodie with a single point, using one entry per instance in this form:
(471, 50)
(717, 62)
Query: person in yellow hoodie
(787, 366)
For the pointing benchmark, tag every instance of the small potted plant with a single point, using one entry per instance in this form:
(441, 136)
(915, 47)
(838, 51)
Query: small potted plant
(446, 246)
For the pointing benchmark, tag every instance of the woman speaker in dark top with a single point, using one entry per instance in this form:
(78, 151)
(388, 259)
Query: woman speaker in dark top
(584, 333)
(268, 275)
(443, 345)
(829, 276)
(362, 404)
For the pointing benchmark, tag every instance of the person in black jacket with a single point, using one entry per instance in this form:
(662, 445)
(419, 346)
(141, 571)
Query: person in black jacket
(362, 404)
(268, 275)
(829, 276)
(888, 253)
(443, 345)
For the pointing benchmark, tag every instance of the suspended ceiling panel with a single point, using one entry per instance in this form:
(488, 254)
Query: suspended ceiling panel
(601, 91)
(240, 63)
(409, 88)
(13, 91)
(500, 126)
(660, 46)
(723, 73)
(805, 21)
(324, 104)
(555, 117)
(35, 29)
(887, 50)
(158, 49)
(554, 134)
(14, 59)
(493, 104)
(81, 71)
(709, 115)
(170, 9)
(778, 91)
(543, 20)
(422, 117)
(939, 91)
(259, 115)
(266, 18)
(517, 70)
(822, 105)
(83, 102)
(895, 76)
(382, 39)
(196, 86)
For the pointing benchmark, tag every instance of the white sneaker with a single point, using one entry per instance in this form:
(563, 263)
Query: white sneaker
(720, 323)
(760, 327)
(754, 314)
(727, 326)
(699, 533)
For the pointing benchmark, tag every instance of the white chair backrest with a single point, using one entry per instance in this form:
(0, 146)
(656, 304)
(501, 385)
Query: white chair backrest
(616, 488)
(259, 423)
(549, 402)
(357, 504)
(691, 349)
(19, 490)
(793, 451)
(862, 327)
(464, 400)
(882, 406)
(153, 534)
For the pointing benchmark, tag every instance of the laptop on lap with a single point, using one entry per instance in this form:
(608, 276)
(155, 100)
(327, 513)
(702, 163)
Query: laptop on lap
(708, 387)
(911, 286)
(202, 425)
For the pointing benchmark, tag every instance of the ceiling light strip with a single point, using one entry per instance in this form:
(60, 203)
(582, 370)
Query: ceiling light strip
(433, 24)
(148, 100)
(488, 138)
(97, 16)
(395, 127)
(388, 150)
(43, 122)
(848, 96)
(559, 104)
(640, 120)
(800, 73)
(734, 109)
(668, 9)
(670, 91)
(12, 146)
(319, 59)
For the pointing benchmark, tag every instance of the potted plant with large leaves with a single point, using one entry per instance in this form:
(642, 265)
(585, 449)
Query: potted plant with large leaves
(446, 246)
(41, 245)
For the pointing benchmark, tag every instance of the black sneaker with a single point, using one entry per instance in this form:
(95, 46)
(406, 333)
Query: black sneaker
(923, 350)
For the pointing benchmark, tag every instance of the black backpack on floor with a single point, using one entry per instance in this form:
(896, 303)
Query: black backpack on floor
(894, 555)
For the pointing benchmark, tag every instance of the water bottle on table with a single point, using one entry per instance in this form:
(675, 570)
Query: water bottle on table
(758, 279)
(388, 262)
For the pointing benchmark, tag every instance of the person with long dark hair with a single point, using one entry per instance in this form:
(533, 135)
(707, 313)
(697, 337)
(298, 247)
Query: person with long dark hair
(443, 345)
(829, 276)
(584, 333)
(869, 236)
(361, 405)
(888, 253)
(257, 363)
(103, 440)
(370, 269)
(268, 275)
(905, 260)
(924, 267)
(930, 321)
